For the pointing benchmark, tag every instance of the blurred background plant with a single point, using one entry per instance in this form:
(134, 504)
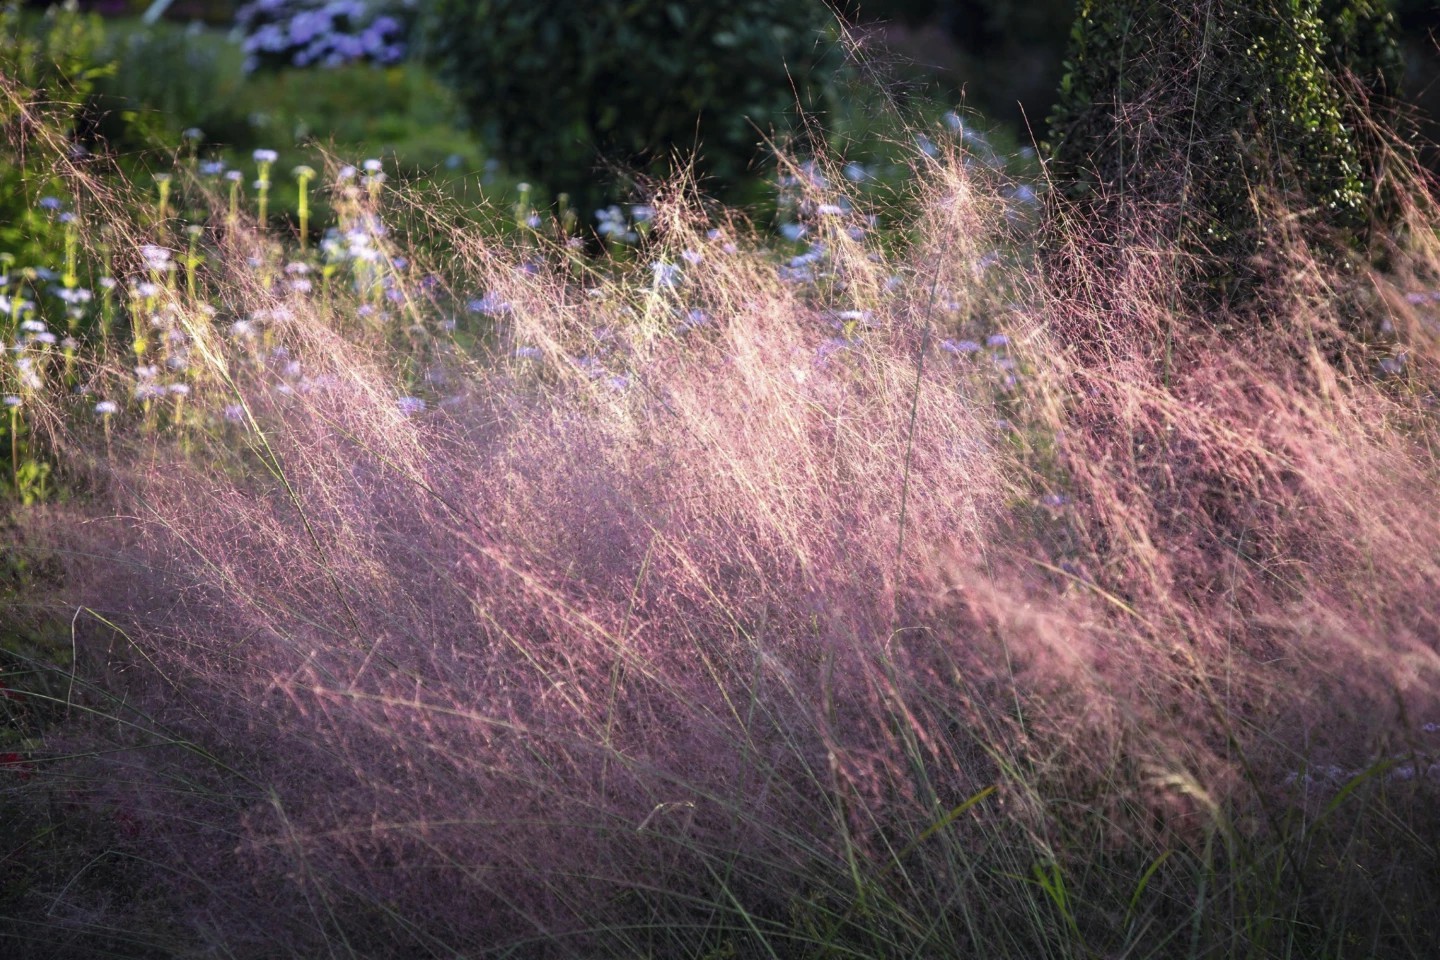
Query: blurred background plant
(322, 33)
(1208, 114)
(580, 97)
(55, 58)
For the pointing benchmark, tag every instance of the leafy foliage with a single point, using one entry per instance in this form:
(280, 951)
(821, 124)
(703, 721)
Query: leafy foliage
(1206, 103)
(50, 65)
(139, 103)
(558, 87)
(55, 61)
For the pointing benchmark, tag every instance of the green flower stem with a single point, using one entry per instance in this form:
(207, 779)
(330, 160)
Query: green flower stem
(71, 279)
(192, 258)
(162, 210)
(234, 216)
(304, 175)
(15, 448)
(262, 183)
(262, 187)
(107, 295)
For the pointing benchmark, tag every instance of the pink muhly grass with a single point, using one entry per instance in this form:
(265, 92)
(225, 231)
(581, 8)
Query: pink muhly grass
(729, 626)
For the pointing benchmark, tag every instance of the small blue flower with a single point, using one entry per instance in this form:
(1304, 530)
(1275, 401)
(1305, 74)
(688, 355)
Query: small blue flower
(1392, 365)
(829, 347)
(693, 319)
(1025, 194)
(666, 274)
(490, 305)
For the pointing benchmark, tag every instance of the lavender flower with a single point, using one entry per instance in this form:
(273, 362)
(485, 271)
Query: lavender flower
(490, 305)
(666, 274)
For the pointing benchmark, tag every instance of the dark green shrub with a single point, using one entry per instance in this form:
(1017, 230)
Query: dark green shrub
(558, 88)
(1000, 57)
(1196, 107)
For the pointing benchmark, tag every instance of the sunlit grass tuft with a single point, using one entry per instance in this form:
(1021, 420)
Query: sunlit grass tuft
(730, 596)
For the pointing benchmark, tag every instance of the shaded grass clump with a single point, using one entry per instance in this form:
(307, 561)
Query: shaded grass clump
(866, 602)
